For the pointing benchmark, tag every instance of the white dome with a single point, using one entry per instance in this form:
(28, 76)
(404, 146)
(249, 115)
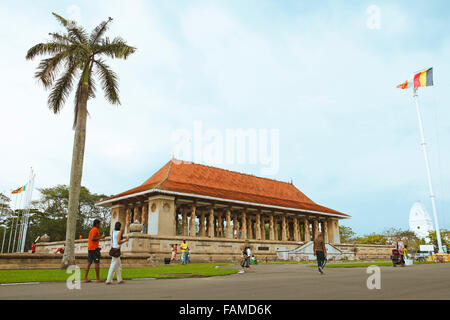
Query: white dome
(419, 220)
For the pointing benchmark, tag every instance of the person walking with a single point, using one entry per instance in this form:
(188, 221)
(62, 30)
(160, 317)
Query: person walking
(174, 253)
(249, 258)
(245, 264)
(94, 251)
(116, 263)
(184, 247)
(320, 251)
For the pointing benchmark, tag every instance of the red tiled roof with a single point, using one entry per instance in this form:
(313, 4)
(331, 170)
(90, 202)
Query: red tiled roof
(197, 179)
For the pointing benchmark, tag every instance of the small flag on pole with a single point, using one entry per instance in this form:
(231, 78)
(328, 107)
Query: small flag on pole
(404, 85)
(19, 190)
(420, 79)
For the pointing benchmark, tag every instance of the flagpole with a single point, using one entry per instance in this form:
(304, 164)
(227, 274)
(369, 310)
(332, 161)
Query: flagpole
(424, 147)
(17, 222)
(27, 212)
(11, 228)
(4, 234)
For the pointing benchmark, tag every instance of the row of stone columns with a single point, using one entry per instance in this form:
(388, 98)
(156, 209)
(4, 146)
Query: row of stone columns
(244, 225)
(136, 212)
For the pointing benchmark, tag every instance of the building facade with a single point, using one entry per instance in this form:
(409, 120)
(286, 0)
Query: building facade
(194, 201)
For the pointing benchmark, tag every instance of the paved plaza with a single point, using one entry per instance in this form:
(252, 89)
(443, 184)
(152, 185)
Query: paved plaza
(271, 282)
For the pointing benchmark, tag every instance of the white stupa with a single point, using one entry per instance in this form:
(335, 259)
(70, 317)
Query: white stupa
(419, 220)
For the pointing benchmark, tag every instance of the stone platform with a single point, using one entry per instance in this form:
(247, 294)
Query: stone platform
(147, 250)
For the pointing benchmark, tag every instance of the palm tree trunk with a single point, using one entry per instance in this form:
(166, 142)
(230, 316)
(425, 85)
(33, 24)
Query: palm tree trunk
(75, 178)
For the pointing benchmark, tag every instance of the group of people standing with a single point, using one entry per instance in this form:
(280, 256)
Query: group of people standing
(184, 253)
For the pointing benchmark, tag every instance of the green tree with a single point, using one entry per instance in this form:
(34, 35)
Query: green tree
(79, 56)
(49, 214)
(445, 237)
(372, 238)
(346, 234)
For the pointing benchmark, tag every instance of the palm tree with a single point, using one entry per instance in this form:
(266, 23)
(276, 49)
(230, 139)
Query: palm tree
(78, 56)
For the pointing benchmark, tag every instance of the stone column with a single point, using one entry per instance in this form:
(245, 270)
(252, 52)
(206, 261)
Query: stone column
(201, 225)
(271, 227)
(333, 225)
(145, 217)
(127, 219)
(138, 212)
(211, 223)
(235, 226)
(228, 232)
(258, 226)
(283, 228)
(325, 231)
(296, 230)
(263, 227)
(249, 227)
(244, 224)
(316, 228)
(216, 226)
(220, 225)
(192, 225)
(306, 229)
(184, 221)
(118, 213)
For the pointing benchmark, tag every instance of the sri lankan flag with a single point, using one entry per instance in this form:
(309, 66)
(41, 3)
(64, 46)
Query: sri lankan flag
(19, 190)
(420, 79)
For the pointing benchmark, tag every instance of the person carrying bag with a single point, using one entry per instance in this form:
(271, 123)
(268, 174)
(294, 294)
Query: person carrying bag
(116, 263)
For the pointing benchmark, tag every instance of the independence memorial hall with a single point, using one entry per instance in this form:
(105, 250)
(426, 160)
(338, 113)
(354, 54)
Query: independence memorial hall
(218, 211)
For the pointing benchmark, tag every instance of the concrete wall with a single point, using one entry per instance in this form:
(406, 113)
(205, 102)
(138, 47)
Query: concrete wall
(368, 251)
(204, 249)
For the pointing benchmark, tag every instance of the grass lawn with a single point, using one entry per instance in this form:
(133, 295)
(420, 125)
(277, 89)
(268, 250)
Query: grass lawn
(201, 269)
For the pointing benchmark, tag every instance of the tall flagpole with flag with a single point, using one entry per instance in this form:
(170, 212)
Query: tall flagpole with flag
(27, 211)
(424, 79)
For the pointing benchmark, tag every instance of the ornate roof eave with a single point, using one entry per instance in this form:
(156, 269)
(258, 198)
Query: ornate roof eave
(107, 203)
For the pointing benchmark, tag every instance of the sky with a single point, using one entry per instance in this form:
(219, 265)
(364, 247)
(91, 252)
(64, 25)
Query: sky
(321, 77)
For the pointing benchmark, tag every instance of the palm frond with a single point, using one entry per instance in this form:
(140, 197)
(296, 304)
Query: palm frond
(75, 32)
(61, 38)
(109, 82)
(44, 49)
(49, 68)
(117, 48)
(62, 88)
(98, 32)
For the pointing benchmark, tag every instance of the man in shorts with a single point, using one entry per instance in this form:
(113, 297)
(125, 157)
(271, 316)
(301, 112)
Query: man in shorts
(320, 251)
(94, 251)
